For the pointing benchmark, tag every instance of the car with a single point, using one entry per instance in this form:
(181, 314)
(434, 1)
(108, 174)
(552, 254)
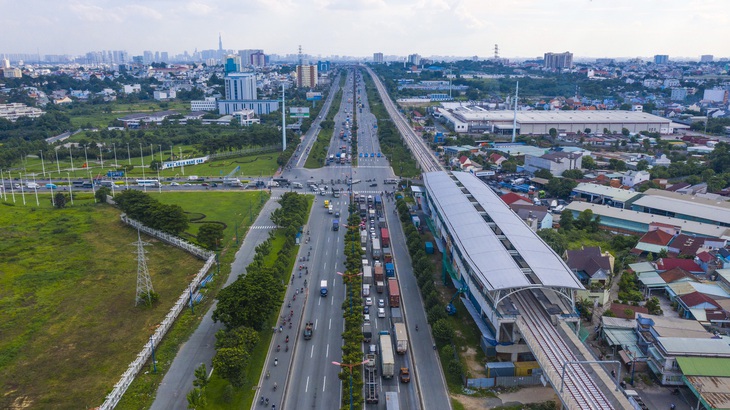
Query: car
(368, 301)
(366, 318)
(366, 309)
(378, 155)
(381, 303)
(188, 184)
(337, 214)
(204, 184)
(174, 184)
(372, 154)
(374, 184)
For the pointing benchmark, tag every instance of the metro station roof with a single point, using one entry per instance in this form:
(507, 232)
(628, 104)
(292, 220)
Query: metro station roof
(482, 248)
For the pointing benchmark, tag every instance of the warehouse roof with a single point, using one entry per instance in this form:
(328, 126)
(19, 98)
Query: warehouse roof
(689, 227)
(686, 205)
(561, 117)
(480, 245)
(621, 195)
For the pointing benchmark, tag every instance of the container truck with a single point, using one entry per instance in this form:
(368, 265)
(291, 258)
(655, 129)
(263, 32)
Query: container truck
(367, 275)
(385, 237)
(367, 333)
(390, 270)
(378, 202)
(401, 338)
(387, 255)
(379, 286)
(391, 401)
(323, 288)
(376, 248)
(379, 275)
(393, 293)
(363, 238)
(371, 381)
(387, 360)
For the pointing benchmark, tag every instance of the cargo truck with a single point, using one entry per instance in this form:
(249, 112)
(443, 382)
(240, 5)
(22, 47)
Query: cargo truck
(390, 270)
(393, 293)
(401, 338)
(367, 333)
(371, 214)
(367, 275)
(387, 255)
(308, 330)
(323, 288)
(376, 248)
(363, 238)
(387, 360)
(371, 381)
(391, 401)
(379, 275)
(385, 237)
(379, 286)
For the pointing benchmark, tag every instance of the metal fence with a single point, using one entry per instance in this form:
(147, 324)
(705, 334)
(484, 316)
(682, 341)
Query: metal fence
(242, 152)
(112, 399)
(504, 381)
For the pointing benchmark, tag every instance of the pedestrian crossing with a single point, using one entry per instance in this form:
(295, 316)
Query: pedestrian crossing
(263, 227)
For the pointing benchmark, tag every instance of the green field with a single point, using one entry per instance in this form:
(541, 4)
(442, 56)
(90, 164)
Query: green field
(100, 117)
(67, 288)
(251, 166)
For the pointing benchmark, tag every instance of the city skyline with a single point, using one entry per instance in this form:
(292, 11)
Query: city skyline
(522, 28)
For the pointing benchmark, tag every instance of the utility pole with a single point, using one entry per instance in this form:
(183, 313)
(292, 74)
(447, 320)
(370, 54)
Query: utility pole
(514, 121)
(283, 115)
(144, 283)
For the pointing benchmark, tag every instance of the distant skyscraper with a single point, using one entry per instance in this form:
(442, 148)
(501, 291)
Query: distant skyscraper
(248, 55)
(164, 57)
(233, 63)
(661, 59)
(240, 86)
(414, 59)
(307, 76)
(707, 58)
(378, 58)
(558, 61)
(258, 59)
(148, 57)
(5, 63)
(220, 43)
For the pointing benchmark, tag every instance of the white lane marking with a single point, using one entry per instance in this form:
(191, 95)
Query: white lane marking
(324, 383)
(311, 354)
(306, 386)
(327, 352)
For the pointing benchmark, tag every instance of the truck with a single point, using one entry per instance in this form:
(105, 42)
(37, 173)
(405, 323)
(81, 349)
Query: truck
(371, 214)
(367, 333)
(363, 211)
(363, 237)
(379, 275)
(391, 401)
(367, 274)
(385, 237)
(401, 338)
(387, 255)
(376, 248)
(387, 361)
(378, 202)
(335, 225)
(326, 203)
(390, 270)
(379, 286)
(393, 293)
(371, 381)
(323, 288)
(308, 330)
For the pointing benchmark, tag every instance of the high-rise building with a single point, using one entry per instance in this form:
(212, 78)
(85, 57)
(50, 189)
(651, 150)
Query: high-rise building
(240, 86)
(307, 76)
(414, 59)
(5, 63)
(661, 59)
(558, 61)
(679, 94)
(706, 58)
(164, 57)
(148, 57)
(258, 59)
(233, 63)
(378, 58)
(323, 66)
(247, 56)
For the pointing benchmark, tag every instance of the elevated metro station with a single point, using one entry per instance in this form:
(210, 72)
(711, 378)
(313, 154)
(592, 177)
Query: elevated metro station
(490, 254)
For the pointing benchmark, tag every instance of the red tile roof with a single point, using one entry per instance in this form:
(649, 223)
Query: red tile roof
(510, 198)
(618, 310)
(676, 274)
(705, 257)
(657, 237)
(696, 298)
(689, 265)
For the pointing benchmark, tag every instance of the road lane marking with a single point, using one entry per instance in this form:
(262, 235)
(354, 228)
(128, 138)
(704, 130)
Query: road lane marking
(315, 323)
(311, 354)
(324, 383)
(306, 386)
(327, 352)
(330, 327)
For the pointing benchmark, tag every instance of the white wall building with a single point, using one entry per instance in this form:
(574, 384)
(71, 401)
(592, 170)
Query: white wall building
(632, 178)
(209, 104)
(240, 86)
(555, 162)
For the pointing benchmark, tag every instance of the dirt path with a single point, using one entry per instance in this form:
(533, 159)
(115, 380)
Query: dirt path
(526, 395)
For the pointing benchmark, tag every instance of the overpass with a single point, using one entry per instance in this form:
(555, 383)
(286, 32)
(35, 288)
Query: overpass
(520, 291)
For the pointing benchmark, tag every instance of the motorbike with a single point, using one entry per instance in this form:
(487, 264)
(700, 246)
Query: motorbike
(278, 348)
(276, 361)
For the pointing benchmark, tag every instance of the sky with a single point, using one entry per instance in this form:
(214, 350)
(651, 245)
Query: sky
(522, 28)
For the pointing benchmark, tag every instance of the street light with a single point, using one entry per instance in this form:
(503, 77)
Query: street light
(350, 366)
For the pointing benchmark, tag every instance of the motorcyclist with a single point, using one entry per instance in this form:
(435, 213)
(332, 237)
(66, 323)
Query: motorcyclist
(416, 328)
(276, 361)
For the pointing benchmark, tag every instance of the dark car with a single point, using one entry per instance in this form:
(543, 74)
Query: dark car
(374, 184)
(366, 310)
(204, 184)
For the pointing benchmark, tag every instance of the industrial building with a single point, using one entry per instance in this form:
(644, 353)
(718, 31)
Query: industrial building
(489, 254)
(474, 119)
(684, 206)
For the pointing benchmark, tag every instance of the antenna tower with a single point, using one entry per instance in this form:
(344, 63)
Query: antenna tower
(496, 51)
(144, 283)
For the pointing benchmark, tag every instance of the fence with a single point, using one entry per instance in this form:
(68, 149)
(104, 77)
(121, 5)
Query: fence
(112, 399)
(242, 152)
(504, 381)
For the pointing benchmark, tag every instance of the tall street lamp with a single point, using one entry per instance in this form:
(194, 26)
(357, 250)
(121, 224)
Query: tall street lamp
(350, 366)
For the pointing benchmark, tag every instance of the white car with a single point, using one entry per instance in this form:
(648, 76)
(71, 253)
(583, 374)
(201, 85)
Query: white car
(174, 184)
(381, 303)
(369, 301)
(366, 318)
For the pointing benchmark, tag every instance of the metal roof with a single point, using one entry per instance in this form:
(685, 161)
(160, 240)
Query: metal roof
(705, 209)
(704, 366)
(478, 244)
(689, 346)
(481, 246)
(688, 227)
(621, 195)
(562, 117)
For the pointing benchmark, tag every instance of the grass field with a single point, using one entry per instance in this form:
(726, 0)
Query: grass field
(95, 115)
(67, 286)
(251, 166)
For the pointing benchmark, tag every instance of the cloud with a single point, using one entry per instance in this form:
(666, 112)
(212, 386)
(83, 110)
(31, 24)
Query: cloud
(97, 14)
(198, 8)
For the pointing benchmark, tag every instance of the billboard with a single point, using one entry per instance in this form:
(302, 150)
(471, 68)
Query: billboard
(299, 112)
(312, 96)
(115, 174)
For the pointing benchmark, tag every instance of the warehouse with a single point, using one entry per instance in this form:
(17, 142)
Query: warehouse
(476, 119)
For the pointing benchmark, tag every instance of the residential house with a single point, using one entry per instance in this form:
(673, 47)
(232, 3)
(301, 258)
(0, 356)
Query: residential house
(677, 275)
(653, 242)
(497, 159)
(695, 305)
(665, 264)
(536, 217)
(620, 310)
(511, 198)
(590, 264)
(632, 178)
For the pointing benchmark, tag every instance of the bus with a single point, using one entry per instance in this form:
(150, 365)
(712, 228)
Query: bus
(148, 182)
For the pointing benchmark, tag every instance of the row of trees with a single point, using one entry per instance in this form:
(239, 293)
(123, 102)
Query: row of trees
(142, 207)
(246, 306)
